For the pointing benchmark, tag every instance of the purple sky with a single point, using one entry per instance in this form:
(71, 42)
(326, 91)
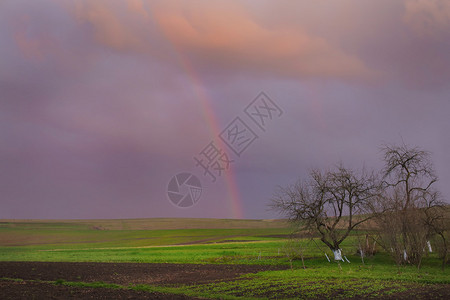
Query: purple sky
(102, 102)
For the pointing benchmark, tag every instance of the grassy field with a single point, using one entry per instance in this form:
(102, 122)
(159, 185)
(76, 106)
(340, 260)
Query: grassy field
(206, 241)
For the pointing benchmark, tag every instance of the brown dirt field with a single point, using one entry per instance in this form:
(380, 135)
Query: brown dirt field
(37, 290)
(118, 273)
(127, 273)
(34, 273)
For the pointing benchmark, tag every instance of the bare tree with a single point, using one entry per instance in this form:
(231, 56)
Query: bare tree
(328, 203)
(408, 203)
(411, 170)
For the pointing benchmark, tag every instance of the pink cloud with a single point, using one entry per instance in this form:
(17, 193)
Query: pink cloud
(220, 34)
(428, 17)
(232, 38)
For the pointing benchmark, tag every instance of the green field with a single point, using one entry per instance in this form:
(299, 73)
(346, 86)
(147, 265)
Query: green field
(206, 241)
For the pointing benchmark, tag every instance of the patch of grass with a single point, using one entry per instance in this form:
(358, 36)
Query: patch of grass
(11, 279)
(85, 238)
(99, 284)
(287, 285)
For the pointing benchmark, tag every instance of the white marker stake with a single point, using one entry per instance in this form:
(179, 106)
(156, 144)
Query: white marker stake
(327, 257)
(346, 259)
(429, 247)
(337, 254)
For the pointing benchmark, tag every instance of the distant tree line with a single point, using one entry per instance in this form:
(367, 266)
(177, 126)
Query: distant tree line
(401, 200)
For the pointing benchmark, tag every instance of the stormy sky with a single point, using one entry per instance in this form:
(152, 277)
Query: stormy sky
(103, 102)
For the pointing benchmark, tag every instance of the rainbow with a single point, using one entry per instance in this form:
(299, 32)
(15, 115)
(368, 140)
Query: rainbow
(210, 117)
